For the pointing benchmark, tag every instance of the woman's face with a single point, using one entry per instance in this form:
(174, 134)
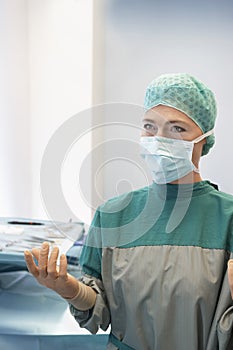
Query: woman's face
(169, 122)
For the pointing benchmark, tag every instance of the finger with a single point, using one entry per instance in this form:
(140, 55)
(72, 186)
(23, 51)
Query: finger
(43, 259)
(32, 268)
(52, 264)
(63, 266)
(230, 275)
(36, 253)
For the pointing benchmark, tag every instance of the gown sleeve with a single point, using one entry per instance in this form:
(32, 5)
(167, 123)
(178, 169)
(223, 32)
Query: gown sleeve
(221, 334)
(91, 263)
(225, 323)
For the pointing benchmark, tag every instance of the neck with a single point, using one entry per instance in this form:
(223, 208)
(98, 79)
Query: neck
(189, 178)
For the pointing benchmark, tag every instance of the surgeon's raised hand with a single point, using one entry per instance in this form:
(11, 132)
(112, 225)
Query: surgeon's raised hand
(230, 275)
(49, 274)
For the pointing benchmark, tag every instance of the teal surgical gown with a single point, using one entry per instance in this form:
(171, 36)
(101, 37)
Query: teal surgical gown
(157, 258)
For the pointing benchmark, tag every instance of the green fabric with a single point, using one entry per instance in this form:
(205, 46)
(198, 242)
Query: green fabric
(187, 94)
(140, 218)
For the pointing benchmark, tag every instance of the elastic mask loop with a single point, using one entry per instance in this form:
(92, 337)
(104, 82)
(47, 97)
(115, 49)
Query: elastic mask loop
(203, 136)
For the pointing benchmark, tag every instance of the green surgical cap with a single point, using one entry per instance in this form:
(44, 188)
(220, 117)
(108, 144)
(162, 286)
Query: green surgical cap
(187, 94)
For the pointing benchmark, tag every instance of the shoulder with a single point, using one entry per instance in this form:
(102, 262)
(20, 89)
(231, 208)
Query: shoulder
(223, 202)
(226, 196)
(126, 200)
(222, 196)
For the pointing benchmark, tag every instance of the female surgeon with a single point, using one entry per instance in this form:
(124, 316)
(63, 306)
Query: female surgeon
(158, 261)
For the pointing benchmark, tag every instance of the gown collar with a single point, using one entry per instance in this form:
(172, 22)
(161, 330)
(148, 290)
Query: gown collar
(170, 191)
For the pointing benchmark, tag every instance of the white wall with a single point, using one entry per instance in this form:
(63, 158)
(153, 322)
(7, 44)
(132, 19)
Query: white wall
(15, 181)
(46, 78)
(60, 41)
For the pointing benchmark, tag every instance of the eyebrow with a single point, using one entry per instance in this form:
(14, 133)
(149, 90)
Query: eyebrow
(167, 122)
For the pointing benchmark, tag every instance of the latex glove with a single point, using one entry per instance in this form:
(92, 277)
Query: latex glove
(230, 275)
(56, 278)
(49, 274)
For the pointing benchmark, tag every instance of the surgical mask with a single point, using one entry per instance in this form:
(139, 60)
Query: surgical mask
(169, 159)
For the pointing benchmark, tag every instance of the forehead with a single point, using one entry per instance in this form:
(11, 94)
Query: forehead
(165, 114)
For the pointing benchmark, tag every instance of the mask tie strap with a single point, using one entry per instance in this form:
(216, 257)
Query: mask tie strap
(203, 136)
(198, 139)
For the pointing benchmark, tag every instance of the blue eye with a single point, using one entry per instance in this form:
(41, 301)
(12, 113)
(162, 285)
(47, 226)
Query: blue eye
(176, 128)
(151, 128)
